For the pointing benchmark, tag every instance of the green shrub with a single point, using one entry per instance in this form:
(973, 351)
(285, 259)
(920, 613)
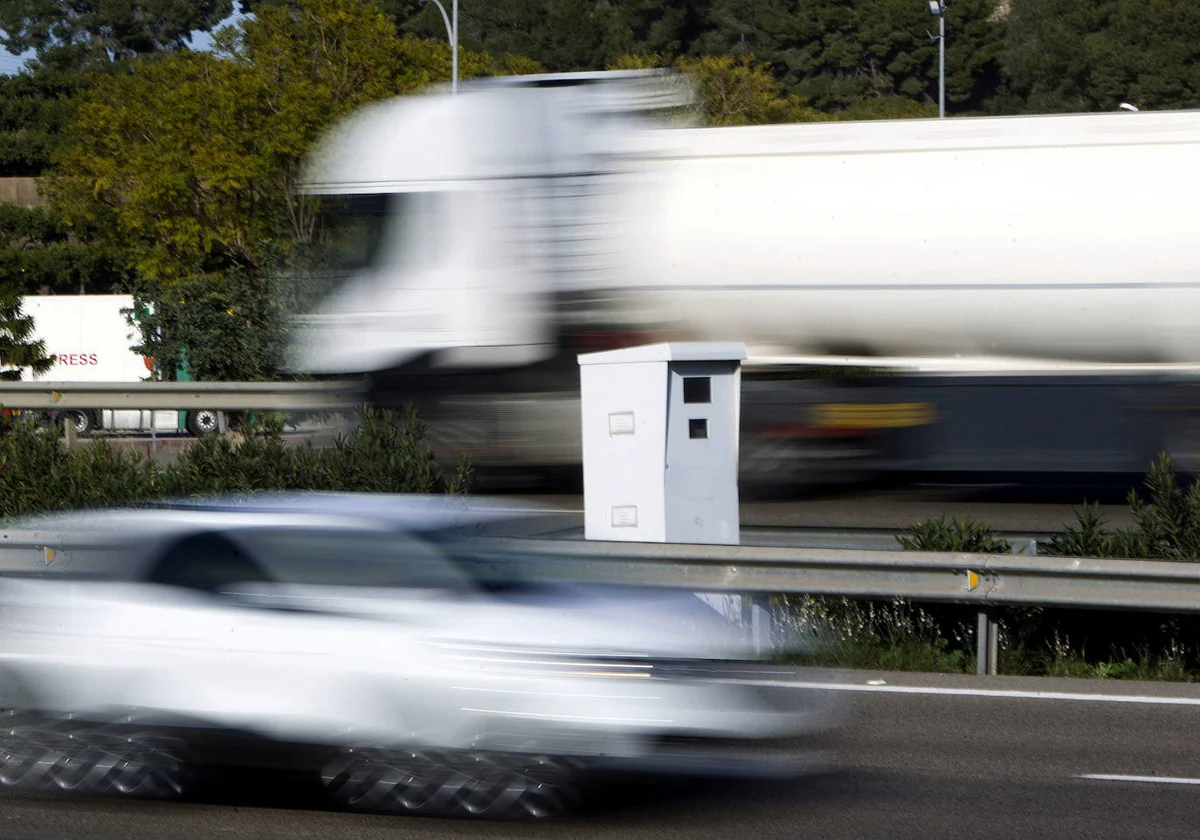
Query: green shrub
(38, 474)
(1166, 523)
(960, 535)
(386, 453)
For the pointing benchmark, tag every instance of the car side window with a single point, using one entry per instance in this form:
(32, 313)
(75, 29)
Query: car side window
(353, 558)
(207, 562)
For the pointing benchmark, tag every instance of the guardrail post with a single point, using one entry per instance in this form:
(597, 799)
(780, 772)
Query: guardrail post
(759, 607)
(987, 644)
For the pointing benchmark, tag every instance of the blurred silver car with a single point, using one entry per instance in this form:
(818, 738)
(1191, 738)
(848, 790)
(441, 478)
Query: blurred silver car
(382, 642)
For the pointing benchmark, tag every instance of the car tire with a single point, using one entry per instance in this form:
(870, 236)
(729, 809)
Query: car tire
(452, 783)
(39, 753)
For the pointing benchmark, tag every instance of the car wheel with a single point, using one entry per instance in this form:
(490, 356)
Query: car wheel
(495, 786)
(39, 753)
(203, 422)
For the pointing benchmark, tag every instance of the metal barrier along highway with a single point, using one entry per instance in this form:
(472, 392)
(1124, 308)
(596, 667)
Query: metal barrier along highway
(157, 396)
(983, 580)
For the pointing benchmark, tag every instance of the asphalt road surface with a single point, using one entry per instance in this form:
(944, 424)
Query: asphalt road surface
(922, 757)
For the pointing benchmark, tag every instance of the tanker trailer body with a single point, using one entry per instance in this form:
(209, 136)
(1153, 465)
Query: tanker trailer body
(514, 225)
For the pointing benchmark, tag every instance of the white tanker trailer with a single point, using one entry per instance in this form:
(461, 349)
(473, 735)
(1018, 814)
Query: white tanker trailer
(1048, 263)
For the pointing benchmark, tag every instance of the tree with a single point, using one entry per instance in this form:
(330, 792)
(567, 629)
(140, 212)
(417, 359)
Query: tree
(837, 53)
(17, 350)
(731, 91)
(68, 34)
(228, 326)
(34, 111)
(192, 158)
(1150, 54)
(38, 256)
(739, 91)
(1079, 55)
(1051, 50)
(188, 163)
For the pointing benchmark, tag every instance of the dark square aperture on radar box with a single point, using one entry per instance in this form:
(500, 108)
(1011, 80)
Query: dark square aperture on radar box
(697, 389)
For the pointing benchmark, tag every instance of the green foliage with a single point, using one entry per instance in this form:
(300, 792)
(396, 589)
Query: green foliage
(37, 474)
(87, 33)
(960, 535)
(190, 160)
(1080, 55)
(831, 54)
(1166, 523)
(732, 90)
(890, 636)
(888, 108)
(901, 636)
(1086, 539)
(386, 453)
(185, 168)
(560, 35)
(230, 326)
(17, 349)
(34, 111)
(38, 256)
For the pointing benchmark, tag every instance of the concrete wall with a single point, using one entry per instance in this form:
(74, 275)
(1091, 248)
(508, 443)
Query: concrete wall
(22, 191)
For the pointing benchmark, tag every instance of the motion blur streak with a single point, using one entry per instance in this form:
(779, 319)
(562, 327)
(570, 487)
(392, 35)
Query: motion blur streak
(482, 241)
(352, 638)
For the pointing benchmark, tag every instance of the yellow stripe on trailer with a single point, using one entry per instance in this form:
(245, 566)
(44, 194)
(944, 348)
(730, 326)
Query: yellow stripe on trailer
(882, 416)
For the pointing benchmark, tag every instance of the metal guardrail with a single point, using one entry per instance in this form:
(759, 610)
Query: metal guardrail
(985, 581)
(160, 396)
(849, 538)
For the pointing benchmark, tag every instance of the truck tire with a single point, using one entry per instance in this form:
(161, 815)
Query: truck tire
(203, 422)
(83, 420)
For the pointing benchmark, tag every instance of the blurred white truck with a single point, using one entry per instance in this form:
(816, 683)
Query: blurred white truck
(92, 341)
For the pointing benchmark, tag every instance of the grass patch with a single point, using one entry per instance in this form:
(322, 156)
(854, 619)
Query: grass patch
(902, 636)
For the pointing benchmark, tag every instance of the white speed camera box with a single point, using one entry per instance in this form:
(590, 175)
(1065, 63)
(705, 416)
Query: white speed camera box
(660, 443)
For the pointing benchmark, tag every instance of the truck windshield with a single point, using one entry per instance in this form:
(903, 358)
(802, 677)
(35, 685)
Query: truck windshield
(352, 228)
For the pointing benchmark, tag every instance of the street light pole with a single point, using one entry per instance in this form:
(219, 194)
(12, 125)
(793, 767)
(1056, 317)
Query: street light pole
(941, 63)
(938, 8)
(452, 34)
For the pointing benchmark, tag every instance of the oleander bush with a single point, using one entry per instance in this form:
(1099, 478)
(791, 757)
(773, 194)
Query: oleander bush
(959, 535)
(386, 452)
(1033, 641)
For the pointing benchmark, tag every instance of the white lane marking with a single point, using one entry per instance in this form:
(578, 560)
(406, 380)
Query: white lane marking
(984, 692)
(1161, 780)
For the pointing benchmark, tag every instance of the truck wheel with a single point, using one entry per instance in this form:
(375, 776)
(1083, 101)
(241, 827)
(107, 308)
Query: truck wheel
(203, 422)
(83, 421)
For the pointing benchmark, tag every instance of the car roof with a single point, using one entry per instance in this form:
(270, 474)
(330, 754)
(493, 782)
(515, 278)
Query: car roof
(410, 512)
(122, 541)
